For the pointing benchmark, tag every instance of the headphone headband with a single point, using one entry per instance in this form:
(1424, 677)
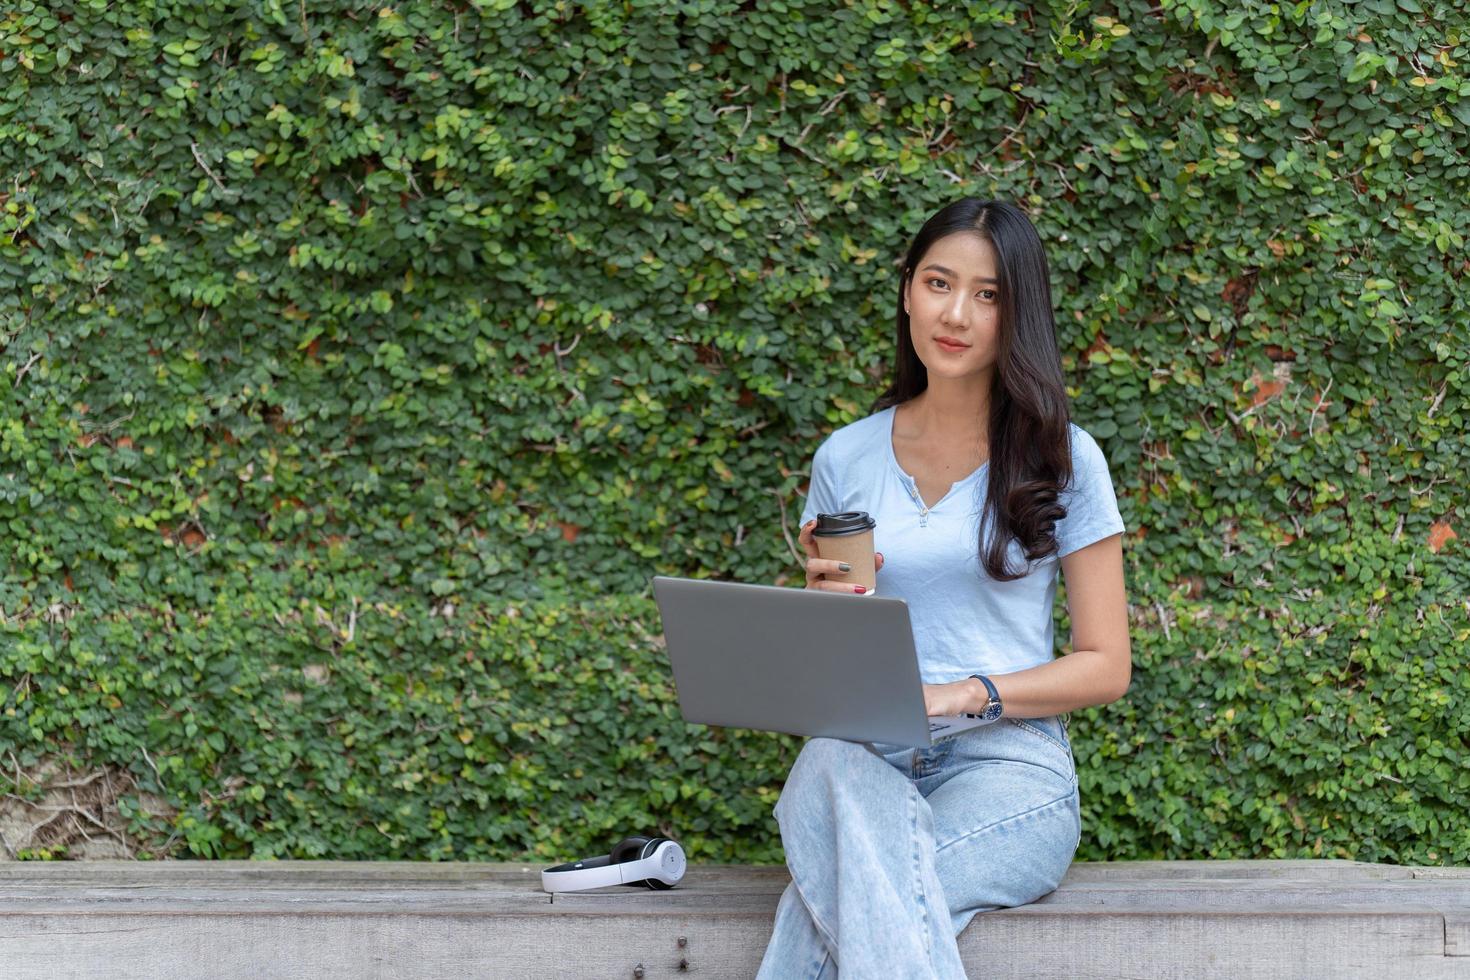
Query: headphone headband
(656, 862)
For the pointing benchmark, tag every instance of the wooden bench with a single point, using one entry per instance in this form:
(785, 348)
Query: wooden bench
(1195, 919)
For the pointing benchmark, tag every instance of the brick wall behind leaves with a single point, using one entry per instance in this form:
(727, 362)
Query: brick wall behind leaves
(362, 363)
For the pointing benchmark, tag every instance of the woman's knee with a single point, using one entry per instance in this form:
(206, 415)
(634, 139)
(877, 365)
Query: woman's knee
(1012, 863)
(821, 758)
(818, 759)
(823, 769)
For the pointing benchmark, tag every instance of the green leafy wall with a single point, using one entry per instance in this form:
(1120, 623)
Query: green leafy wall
(362, 364)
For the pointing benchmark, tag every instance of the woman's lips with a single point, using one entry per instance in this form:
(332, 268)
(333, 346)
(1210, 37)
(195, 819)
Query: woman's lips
(951, 348)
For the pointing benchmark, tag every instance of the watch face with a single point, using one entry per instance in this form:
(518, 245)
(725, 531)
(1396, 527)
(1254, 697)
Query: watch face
(992, 711)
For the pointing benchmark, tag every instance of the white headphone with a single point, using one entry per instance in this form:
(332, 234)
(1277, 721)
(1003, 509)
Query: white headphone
(656, 862)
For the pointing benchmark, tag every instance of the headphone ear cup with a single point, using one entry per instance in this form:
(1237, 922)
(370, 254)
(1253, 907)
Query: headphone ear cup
(648, 849)
(635, 848)
(630, 849)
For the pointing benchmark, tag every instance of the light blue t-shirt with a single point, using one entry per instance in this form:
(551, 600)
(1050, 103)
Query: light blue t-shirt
(964, 622)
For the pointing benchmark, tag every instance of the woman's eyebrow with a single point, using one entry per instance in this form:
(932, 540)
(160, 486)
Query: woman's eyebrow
(955, 275)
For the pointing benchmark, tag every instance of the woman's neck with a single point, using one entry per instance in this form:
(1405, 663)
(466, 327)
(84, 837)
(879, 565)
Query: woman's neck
(949, 416)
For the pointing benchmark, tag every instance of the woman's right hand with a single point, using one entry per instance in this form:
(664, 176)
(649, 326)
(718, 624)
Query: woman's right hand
(817, 567)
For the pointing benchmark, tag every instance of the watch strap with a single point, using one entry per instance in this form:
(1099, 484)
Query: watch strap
(993, 707)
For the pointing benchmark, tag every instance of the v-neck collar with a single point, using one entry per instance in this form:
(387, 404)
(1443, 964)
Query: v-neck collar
(912, 485)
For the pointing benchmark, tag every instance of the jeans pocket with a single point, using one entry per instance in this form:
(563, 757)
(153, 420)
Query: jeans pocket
(1052, 734)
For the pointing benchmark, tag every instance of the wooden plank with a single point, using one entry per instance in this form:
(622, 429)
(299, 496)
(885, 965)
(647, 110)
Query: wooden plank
(140, 887)
(1457, 934)
(1314, 869)
(1386, 943)
(1258, 894)
(254, 872)
(1368, 943)
(381, 919)
(430, 873)
(1439, 872)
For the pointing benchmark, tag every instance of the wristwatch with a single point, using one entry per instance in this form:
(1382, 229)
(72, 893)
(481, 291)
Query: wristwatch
(991, 711)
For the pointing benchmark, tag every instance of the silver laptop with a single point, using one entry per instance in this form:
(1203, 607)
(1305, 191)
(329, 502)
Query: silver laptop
(800, 661)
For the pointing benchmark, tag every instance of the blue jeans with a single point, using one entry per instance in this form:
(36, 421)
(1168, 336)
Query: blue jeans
(893, 850)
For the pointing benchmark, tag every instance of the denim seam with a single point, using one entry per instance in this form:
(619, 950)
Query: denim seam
(1004, 820)
(1021, 724)
(1066, 750)
(816, 921)
(914, 800)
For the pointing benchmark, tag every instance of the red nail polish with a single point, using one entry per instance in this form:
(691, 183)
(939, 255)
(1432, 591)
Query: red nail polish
(859, 589)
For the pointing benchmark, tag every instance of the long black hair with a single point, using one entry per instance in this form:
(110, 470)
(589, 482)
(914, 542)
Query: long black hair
(1030, 440)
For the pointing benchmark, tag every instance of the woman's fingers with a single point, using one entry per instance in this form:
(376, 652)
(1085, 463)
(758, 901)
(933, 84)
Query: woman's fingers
(828, 586)
(827, 566)
(817, 566)
(807, 541)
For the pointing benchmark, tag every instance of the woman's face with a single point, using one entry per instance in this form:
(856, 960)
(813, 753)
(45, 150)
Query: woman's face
(954, 293)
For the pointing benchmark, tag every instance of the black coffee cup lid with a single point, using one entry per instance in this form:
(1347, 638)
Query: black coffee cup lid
(848, 522)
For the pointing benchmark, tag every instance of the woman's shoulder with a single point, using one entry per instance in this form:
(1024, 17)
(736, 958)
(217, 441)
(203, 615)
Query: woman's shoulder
(856, 440)
(1082, 441)
(1088, 457)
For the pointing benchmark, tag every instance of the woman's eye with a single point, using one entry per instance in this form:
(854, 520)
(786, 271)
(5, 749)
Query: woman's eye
(989, 294)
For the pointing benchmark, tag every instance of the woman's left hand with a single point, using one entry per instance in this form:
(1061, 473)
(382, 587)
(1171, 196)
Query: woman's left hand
(948, 699)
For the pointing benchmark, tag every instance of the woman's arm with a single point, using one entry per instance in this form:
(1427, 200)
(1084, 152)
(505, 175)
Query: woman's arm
(1097, 671)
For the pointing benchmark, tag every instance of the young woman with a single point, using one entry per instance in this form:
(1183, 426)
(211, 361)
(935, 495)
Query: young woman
(982, 489)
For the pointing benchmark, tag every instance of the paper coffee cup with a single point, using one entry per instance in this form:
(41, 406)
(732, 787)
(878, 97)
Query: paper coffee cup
(848, 537)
